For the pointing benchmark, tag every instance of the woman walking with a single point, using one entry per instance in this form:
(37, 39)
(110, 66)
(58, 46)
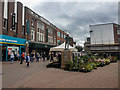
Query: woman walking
(51, 57)
(18, 56)
(37, 57)
(32, 57)
(12, 57)
(48, 57)
(28, 60)
(23, 58)
(43, 57)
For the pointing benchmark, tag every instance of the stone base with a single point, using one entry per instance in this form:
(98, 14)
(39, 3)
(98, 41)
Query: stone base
(65, 55)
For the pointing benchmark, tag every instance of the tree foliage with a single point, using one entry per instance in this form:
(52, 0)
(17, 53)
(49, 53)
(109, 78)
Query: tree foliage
(80, 48)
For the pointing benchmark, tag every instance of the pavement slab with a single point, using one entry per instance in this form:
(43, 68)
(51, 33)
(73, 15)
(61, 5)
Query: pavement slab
(38, 76)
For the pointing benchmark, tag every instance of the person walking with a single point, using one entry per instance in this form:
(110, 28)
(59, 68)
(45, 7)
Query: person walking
(15, 55)
(18, 56)
(12, 57)
(48, 57)
(51, 57)
(32, 57)
(28, 60)
(23, 58)
(43, 57)
(37, 57)
(59, 58)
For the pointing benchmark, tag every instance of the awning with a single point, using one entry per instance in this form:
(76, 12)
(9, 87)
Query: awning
(40, 45)
(62, 47)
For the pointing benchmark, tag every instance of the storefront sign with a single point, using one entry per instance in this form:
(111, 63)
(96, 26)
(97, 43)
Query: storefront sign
(9, 51)
(4, 39)
(28, 27)
(13, 21)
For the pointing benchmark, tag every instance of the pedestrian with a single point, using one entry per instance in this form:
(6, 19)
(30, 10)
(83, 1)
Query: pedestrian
(43, 57)
(59, 58)
(40, 56)
(28, 60)
(51, 57)
(48, 57)
(32, 57)
(18, 56)
(37, 57)
(15, 55)
(23, 58)
(12, 57)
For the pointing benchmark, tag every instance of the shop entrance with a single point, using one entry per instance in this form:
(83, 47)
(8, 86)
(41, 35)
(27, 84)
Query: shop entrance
(4, 53)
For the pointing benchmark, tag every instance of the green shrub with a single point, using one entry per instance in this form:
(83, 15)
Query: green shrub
(88, 68)
(114, 59)
(85, 67)
(94, 65)
(75, 63)
(80, 66)
(69, 65)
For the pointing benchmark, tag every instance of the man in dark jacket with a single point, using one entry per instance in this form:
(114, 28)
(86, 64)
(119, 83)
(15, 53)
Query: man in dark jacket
(43, 57)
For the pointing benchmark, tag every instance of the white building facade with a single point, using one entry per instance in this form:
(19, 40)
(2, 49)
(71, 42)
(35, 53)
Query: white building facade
(104, 38)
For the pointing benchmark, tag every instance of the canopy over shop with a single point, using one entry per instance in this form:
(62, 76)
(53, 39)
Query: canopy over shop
(62, 48)
(40, 47)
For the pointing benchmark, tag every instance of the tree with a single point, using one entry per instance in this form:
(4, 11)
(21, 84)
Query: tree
(80, 48)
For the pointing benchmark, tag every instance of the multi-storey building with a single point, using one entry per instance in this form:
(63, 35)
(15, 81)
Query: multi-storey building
(11, 36)
(23, 30)
(40, 32)
(104, 38)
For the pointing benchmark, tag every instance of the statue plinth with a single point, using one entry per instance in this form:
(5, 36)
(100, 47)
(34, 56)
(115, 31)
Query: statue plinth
(66, 55)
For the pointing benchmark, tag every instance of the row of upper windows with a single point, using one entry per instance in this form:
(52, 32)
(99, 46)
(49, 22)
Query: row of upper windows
(40, 36)
(40, 25)
(62, 35)
(118, 31)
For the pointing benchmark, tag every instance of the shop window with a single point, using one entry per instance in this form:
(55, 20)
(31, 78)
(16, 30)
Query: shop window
(118, 31)
(32, 22)
(58, 42)
(42, 27)
(5, 23)
(37, 36)
(54, 40)
(42, 37)
(58, 33)
(32, 35)
(62, 35)
(50, 30)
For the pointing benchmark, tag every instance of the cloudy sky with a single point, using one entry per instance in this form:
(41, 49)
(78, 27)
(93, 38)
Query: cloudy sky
(76, 16)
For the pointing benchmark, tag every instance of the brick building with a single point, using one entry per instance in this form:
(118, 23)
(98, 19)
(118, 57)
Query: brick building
(11, 37)
(60, 36)
(40, 32)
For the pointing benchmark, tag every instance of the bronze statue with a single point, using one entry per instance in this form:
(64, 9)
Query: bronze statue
(67, 42)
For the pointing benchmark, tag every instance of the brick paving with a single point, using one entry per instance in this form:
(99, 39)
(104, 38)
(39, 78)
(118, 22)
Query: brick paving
(38, 76)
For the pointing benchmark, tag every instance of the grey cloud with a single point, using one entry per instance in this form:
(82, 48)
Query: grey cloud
(77, 16)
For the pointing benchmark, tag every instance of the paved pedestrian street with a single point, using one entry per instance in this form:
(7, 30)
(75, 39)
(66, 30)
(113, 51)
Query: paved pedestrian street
(38, 76)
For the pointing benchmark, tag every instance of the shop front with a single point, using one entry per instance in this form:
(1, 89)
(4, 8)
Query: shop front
(11, 44)
(40, 47)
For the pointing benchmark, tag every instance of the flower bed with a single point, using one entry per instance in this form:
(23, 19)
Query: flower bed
(88, 63)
